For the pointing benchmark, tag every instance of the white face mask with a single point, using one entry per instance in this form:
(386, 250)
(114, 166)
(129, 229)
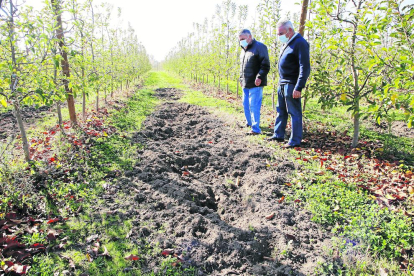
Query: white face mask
(244, 43)
(283, 38)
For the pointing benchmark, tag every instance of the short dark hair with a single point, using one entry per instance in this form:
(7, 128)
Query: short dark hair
(245, 32)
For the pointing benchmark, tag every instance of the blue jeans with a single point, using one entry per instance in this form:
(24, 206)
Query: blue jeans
(252, 102)
(287, 105)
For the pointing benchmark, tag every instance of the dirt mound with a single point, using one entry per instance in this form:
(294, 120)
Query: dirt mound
(170, 94)
(204, 192)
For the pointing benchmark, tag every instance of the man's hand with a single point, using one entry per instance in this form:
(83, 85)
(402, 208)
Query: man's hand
(296, 94)
(258, 82)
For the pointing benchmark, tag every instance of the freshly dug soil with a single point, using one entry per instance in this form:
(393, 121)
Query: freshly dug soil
(8, 124)
(398, 129)
(203, 192)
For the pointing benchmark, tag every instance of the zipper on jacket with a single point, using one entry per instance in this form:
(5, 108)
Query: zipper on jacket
(244, 59)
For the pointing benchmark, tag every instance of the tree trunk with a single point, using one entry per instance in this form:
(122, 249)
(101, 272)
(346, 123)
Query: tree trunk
(83, 79)
(356, 87)
(84, 103)
(59, 113)
(58, 109)
(237, 93)
(64, 63)
(355, 139)
(13, 84)
(227, 85)
(22, 132)
(97, 99)
(303, 15)
(305, 101)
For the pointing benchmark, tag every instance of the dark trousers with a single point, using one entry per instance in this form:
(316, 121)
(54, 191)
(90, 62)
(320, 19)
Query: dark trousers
(287, 105)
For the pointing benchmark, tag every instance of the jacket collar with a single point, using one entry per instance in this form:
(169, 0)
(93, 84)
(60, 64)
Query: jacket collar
(250, 45)
(292, 38)
(296, 35)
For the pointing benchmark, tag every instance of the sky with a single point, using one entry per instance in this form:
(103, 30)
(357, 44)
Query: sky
(161, 24)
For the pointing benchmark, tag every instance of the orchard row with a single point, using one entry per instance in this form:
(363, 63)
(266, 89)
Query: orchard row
(362, 53)
(64, 51)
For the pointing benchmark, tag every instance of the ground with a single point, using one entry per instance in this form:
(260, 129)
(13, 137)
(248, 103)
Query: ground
(167, 183)
(203, 190)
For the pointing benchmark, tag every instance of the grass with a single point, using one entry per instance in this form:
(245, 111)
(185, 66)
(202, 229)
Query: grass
(368, 237)
(198, 98)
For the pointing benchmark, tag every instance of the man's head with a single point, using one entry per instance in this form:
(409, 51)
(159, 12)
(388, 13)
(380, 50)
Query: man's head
(245, 36)
(285, 30)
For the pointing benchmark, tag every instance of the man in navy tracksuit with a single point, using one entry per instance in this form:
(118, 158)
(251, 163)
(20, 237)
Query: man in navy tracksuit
(294, 70)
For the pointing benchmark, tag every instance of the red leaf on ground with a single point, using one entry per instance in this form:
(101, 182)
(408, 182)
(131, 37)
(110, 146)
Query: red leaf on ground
(53, 220)
(167, 252)
(271, 216)
(297, 200)
(186, 173)
(11, 216)
(132, 258)
(51, 237)
(281, 199)
(38, 245)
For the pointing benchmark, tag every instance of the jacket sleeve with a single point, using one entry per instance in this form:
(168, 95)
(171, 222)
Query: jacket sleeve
(304, 65)
(264, 62)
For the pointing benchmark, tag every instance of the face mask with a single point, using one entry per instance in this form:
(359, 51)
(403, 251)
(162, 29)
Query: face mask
(244, 43)
(283, 39)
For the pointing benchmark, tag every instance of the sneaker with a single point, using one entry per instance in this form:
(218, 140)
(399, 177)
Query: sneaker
(243, 125)
(252, 133)
(289, 146)
(275, 139)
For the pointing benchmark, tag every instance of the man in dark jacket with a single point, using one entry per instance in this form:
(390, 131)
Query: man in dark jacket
(294, 70)
(255, 66)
